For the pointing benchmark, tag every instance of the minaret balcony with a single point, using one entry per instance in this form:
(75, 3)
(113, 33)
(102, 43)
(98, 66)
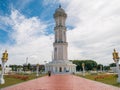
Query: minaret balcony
(60, 43)
(58, 27)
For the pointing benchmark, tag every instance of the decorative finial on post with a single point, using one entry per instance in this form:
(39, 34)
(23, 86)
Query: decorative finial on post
(5, 56)
(114, 50)
(115, 56)
(60, 6)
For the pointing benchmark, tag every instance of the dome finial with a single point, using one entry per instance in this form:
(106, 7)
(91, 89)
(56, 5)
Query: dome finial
(114, 50)
(60, 6)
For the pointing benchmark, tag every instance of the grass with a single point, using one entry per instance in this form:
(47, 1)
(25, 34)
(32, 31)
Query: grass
(110, 79)
(11, 81)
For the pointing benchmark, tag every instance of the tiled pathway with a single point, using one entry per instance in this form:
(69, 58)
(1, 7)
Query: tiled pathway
(61, 82)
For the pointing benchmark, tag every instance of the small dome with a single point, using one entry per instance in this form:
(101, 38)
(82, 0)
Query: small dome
(60, 10)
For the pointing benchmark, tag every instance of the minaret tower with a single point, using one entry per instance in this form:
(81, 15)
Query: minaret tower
(60, 44)
(60, 63)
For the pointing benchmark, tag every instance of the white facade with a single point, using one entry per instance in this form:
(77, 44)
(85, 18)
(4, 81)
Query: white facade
(61, 67)
(114, 69)
(60, 62)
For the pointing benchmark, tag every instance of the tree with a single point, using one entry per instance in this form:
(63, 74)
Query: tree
(112, 65)
(29, 66)
(106, 68)
(99, 67)
(13, 67)
(78, 63)
(89, 64)
(25, 67)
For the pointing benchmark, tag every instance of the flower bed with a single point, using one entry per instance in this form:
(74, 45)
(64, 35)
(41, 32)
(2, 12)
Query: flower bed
(104, 76)
(22, 77)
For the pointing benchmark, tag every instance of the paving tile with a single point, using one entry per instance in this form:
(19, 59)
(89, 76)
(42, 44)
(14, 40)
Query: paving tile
(61, 82)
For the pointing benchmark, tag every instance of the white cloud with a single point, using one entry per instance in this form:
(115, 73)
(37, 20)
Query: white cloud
(96, 29)
(25, 28)
(94, 36)
(30, 39)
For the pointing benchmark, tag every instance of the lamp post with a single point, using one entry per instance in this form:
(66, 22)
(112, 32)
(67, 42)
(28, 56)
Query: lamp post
(116, 60)
(37, 70)
(45, 66)
(101, 68)
(4, 60)
(83, 66)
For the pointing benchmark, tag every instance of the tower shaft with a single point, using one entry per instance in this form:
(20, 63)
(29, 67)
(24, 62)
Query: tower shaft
(60, 44)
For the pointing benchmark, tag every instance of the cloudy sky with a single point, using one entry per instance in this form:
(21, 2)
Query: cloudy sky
(27, 29)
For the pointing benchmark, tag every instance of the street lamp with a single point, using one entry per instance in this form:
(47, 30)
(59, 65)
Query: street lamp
(45, 66)
(101, 68)
(116, 60)
(83, 66)
(37, 70)
(4, 60)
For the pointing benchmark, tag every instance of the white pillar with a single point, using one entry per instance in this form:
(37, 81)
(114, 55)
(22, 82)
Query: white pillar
(70, 69)
(62, 69)
(83, 71)
(57, 69)
(45, 68)
(49, 68)
(53, 69)
(37, 71)
(75, 69)
(118, 70)
(101, 68)
(2, 81)
(66, 68)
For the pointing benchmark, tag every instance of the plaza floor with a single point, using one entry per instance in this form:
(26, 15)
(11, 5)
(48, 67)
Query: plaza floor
(61, 82)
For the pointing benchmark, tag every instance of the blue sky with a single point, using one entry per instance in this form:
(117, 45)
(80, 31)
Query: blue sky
(27, 29)
(29, 8)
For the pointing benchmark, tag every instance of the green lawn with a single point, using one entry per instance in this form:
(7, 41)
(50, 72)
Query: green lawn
(11, 81)
(110, 79)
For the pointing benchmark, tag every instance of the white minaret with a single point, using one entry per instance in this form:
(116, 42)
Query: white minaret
(60, 63)
(60, 44)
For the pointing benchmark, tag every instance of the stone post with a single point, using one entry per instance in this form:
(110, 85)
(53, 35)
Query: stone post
(45, 67)
(37, 70)
(116, 60)
(101, 68)
(83, 66)
(4, 60)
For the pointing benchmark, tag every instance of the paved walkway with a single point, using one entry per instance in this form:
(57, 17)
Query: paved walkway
(61, 82)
